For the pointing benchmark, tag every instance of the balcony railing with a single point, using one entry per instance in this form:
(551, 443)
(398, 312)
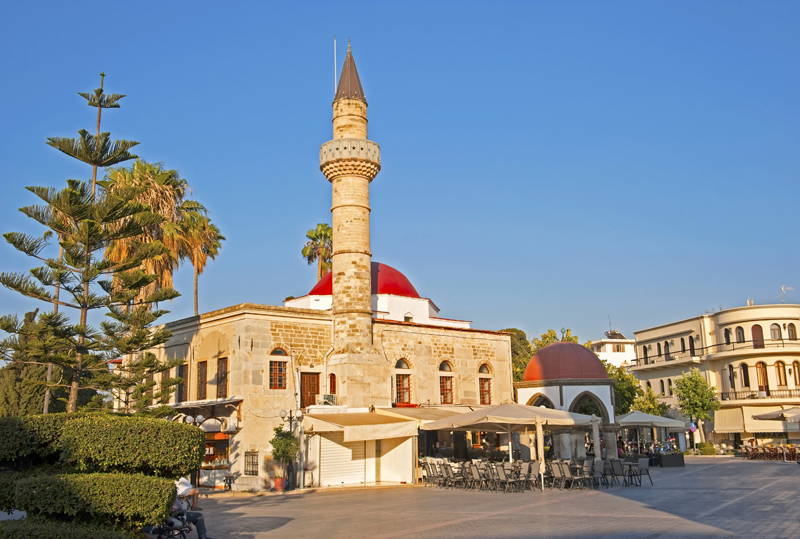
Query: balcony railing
(771, 394)
(714, 349)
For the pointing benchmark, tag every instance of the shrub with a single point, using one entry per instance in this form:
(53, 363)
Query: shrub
(131, 501)
(34, 528)
(7, 480)
(133, 445)
(708, 450)
(33, 436)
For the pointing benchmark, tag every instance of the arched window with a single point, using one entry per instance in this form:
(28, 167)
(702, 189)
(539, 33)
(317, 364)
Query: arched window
(485, 390)
(761, 375)
(792, 332)
(649, 386)
(666, 349)
(403, 385)
(669, 386)
(662, 386)
(332, 384)
(644, 353)
(727, 336)
(278, 352)
(758, 336)
(683, 344)
(484, 369)
(739, 334)
(745, 374)
(401, 364)
(775, 332)
(731, 378)
(780, 373)
(444, 366)
(796, 373)
(659, 349)
(691, 347)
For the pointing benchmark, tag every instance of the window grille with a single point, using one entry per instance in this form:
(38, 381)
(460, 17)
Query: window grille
(202, 380)
(403, 389)
(277, 374)
(222, 378)
(446, 389)
(486, 390)
(251, 463)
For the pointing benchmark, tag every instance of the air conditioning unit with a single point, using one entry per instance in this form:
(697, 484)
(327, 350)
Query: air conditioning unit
(329, 400)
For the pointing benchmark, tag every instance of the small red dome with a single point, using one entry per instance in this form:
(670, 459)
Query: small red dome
(564, 360)
(385, 280)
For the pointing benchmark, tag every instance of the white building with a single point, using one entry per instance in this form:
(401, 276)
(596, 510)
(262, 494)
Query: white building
(615, 349)
(751, 354)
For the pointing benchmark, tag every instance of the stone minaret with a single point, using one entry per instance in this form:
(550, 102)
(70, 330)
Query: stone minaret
(350, 162)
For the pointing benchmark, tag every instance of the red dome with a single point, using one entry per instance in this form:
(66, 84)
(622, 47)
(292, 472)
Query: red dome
(564, 360)
(385, 280)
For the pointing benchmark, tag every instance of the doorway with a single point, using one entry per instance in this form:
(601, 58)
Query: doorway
(309, 388)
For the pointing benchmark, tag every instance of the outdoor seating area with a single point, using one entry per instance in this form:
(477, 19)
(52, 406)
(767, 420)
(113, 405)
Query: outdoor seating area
(521, 476)
(785, 452)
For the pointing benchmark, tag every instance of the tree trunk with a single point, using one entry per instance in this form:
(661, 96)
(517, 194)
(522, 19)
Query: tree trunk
(319, 266)
(196, 309)
(700, 425)
(94, 168)
(50, 365)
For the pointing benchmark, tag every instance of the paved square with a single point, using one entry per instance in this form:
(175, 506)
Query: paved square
(710, 497)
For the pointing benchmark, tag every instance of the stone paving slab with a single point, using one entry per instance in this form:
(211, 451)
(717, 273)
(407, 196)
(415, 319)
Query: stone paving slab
(707, 498)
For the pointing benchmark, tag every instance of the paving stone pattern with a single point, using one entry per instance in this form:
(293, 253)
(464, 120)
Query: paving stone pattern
(710, 497)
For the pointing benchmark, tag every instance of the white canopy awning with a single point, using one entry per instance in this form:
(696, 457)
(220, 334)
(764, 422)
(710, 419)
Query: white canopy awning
(360, 426)
(754, 426)
(509, 417)
(791, 415)
(728, 420)
(641, 419)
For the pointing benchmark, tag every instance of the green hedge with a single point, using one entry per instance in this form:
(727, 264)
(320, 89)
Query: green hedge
(708, 451)
(7, 481)
(31, 528)
(702, 445)
(133, 445)
(33, 436)
(132, 501)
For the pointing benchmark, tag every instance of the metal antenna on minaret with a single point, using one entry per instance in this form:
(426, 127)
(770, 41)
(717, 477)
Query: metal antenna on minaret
(609, 323)
(335, 65)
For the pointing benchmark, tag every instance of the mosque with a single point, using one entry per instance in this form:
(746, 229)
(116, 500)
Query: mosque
(358, 356)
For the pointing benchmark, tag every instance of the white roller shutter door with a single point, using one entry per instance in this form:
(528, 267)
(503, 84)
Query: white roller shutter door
(341, 463)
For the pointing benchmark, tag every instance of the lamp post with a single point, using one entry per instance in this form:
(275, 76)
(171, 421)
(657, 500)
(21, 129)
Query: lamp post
(292, 417)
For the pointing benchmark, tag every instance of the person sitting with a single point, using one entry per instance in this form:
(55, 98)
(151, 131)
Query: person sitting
(195, 517)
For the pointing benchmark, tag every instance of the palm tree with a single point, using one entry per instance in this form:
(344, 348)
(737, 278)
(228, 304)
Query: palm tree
(164, 191)
(198, 240)
(319, 248)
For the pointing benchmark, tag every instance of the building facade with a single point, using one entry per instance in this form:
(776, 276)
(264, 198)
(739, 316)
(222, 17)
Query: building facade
(750, 354)
(362, 340)
(615, 349)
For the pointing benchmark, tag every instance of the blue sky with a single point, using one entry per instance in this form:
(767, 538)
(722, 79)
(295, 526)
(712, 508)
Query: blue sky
(545, 164)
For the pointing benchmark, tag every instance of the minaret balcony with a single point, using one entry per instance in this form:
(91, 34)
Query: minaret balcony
(350, 148)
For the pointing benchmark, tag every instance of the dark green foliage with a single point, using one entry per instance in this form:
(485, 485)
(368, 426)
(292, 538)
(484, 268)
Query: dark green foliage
(131, 501)
(521, 352)
(133, 445)
(34, 438)
(7, 481)
(37, 528)
(284, 446)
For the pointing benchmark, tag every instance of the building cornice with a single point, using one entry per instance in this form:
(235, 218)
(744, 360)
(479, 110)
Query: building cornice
(567, 382)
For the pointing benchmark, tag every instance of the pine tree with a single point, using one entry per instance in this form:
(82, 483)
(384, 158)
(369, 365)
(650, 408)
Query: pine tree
(86, 222)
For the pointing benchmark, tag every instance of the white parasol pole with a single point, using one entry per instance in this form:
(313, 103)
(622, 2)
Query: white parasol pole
(510, 447)
(596, 437)
(540, 451)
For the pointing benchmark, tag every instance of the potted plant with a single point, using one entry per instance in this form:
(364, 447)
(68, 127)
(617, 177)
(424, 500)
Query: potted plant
(284, 449)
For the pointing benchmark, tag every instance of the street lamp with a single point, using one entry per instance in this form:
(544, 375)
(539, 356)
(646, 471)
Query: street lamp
(291, 417)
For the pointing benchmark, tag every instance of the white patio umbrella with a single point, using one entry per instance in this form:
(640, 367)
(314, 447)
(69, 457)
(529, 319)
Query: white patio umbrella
(510, 418)
(640, 419)
(791, 415)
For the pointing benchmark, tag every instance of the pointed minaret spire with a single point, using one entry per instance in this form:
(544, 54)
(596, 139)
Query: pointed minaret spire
(349, 83)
